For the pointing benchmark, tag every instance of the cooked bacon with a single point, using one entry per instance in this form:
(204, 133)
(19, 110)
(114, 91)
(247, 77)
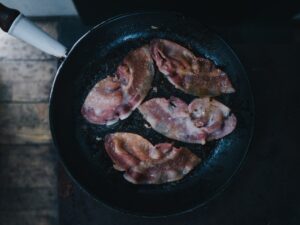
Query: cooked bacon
(115, 97)
(144, 163)
(171, 118)
(126, 149)
(194, 75)
(202, 120)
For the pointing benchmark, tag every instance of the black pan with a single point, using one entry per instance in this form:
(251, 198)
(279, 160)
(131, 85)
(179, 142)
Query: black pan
(80, 143)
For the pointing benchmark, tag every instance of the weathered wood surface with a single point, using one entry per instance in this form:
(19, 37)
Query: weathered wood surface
(31, 217)
(24, 123)
(25, 199)
(23, 81)
(28, 180)
(29, 166)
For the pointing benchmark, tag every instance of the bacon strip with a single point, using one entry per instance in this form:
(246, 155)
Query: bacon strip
(144, 163)
(115, 97)
(202, 120)
(193, 75)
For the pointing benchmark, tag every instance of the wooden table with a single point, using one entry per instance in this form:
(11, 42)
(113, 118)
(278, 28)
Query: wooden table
(28, 183)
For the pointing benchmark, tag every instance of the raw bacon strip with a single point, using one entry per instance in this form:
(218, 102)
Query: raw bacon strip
(193, 75)
(144, 163)
(115, 97)
(200, 121)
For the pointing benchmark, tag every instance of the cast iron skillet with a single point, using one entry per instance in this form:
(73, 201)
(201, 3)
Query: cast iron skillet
(80, 143)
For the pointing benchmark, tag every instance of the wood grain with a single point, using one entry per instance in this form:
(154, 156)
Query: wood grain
(24, 123)
(31, 217)
(28, 180)
(26, 81)
(30, 166)
(21, 199)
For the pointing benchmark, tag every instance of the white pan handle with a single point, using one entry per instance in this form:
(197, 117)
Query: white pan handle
(25, 30)
(17, 25)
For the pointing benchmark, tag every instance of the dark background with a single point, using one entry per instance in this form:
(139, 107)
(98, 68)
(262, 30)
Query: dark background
(266, 38)
(229, 11)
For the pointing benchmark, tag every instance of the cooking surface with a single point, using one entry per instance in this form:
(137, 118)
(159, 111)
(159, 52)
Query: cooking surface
(265, 189)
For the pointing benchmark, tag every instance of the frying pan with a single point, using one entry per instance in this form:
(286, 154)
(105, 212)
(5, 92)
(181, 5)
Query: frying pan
(80, 144)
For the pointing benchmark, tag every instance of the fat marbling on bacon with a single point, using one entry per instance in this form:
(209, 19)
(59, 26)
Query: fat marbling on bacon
(193, 75)
(144, 163)
(115, 97)
(204, 119)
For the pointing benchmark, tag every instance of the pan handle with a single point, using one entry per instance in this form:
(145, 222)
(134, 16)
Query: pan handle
(17, 25)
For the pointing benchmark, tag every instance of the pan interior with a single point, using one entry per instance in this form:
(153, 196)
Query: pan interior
(80, 143)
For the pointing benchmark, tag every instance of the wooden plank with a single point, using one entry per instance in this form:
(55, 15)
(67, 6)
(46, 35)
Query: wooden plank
(26, 199)
(24, 123)
(32, 166)
(35, 217)
(14, 49)
(26, 81)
